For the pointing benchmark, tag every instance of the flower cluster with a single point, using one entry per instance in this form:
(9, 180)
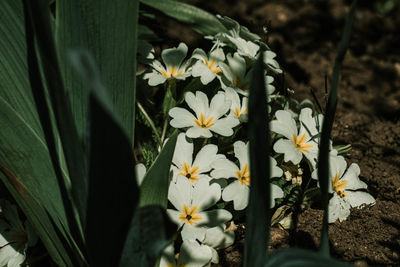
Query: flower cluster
(211, 171)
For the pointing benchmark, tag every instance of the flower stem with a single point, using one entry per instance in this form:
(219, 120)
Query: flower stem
(150, 121)
(164, 131)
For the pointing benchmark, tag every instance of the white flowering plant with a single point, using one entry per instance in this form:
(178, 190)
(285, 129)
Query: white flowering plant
(218, 141)
(211, 114)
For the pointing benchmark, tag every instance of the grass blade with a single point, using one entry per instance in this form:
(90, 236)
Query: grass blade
(258, 217)
(75, 158)
(323, 157)
(200, 20)
(108, 30)
(154, 188)
(113, 192)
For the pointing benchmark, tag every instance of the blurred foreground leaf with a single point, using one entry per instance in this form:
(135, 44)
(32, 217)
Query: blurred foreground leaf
(154, 188)
(257, 216)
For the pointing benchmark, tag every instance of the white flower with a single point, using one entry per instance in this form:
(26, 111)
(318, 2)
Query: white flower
(208, 116)
(297, 143)
(207, 67)
(191, 202)
(14, 237)
(235, 75)
(191, 254)
(175, 67)
(215, 237)
(140, 172)
(184, 165)
(238, 110)
(238, 191)
(244, 48)
(271, 62)
(344, 186)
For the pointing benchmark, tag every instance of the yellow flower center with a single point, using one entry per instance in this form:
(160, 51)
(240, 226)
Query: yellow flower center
(189, 215)
(244, 175)
(300, 143)
(238, 112)
(239, 84)
(204, 122)
(171, 71)
(339, 186)
(211, 65)
(190, 172)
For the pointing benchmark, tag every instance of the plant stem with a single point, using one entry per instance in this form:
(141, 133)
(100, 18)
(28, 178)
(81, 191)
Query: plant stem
(150, 121)
(164, 130)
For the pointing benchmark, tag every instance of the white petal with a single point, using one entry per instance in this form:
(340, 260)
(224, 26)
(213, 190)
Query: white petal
(205, 157)
(287, 147)
(223, 168)
(181, 118)
(276, 192)
(155, 78)
(193, 233)
(241, 151)
(168, 256)
(338, 209)
(351, 176)
(196, 132)
(284, 125)
(174, 216)
(140, 171)
(275, 170)
(213, 218)
(358, 198)
(217, 55)
(192, 254)
(174, 56)
(179, 193)
(199, 53)
(204, 72)
(238, 193)
(216, 237)
(219, 106)
(205, 195)
(237, 65)
(183, 151)
(231, 95)
(224, 126)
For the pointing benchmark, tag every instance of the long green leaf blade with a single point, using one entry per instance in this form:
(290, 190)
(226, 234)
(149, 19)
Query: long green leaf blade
(113, 192)
(37, 215)
(257, 216)
(323, 157)
(108, 30)
(200, 20)
(75, 158)
(150, 232)
(154, 188)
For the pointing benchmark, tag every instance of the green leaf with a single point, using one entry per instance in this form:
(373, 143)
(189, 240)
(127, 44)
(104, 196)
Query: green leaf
(75, 158)
(154, 188)
(323, 157)
(200, 20)
(113, 192)
(38, 216)
(258, 215)
(290, 257)
(108, 30)
(151, 231)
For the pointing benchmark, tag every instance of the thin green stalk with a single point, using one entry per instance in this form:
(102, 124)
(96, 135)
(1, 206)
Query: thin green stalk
(164, 130)
(150, 121)
(323, 158)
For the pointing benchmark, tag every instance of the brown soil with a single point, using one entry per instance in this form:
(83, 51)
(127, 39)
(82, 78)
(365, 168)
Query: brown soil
(305, 34)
